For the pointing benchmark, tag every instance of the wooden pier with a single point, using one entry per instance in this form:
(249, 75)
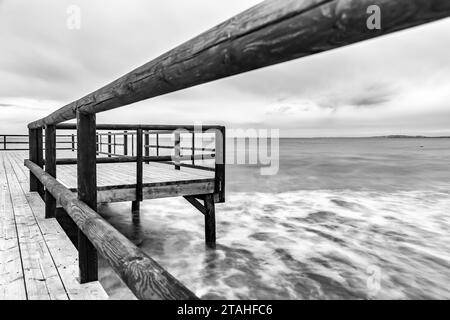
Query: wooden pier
(37, 259)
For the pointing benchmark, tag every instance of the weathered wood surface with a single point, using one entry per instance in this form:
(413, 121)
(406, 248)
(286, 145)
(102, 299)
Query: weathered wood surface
(120, 158)
(152, 128)
(87, 191)
(155, 191)
(12, 283)
(50, 168)
(210, 220)
(271, 32)
(38, 261)
(220, 166)
(144, 276)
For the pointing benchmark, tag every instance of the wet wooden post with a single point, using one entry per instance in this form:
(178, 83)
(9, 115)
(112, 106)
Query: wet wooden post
(219, 185)
(210, 221)
(177, 150)
(135, 205)
(109, 145)
(125, 143)
(87, 191)
(50, 168)
(147, 147)
(36, 155)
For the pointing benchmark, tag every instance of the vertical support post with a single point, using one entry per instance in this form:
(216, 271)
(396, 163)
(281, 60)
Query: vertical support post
(177, 150)
(193, 147)
(114, 137)
(73, 142)
(125, 143)
(139, 167)
(157, 144)
(219, 178)
(132, 144)
(50, 168)
(109, 145)
(87, 191)
(146, 145)
(36, 155)
(4, 142)
(97, 147)
(210, 221)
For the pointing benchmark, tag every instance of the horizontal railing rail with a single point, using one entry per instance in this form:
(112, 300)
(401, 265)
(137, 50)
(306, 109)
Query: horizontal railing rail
(10, 144)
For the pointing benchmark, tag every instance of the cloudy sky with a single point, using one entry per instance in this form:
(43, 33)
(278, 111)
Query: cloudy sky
(399, 84)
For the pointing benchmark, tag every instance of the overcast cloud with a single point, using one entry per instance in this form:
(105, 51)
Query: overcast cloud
(399, 84)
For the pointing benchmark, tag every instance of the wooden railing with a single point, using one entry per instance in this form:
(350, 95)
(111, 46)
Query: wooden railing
(146, 152)
(14, 142)
(272, 32)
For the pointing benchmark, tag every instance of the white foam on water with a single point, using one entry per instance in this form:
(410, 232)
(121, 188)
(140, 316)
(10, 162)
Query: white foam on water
(302, 244)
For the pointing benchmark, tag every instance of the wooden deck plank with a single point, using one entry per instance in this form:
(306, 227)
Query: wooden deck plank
(41, 277)
(12, 282)
(50, 261)
(63, 252)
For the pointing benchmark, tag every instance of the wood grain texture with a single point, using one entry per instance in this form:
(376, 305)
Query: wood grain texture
(63, 253)
(87, 191)
(271, 32)
(210, 221)
(50, 168)
(219, 187)
(42, 279)
(12, 283)
(144, 276)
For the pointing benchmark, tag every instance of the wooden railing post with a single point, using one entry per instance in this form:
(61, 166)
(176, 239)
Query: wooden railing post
(177, 150)
(114, 138)
(36, 155)
(109, 145)
(193, 148)
(139, 168)
(219, 186)
(50, 168)
(87, 191)
(97, 146)
(157, 144)
(146, 146)
(73, 142)
(4, 142)
(132, 144)
(125, 143)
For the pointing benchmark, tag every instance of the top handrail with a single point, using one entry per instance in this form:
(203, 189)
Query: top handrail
(157, 127)
(271, 32)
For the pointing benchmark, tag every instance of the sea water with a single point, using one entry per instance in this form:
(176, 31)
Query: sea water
(342, 219)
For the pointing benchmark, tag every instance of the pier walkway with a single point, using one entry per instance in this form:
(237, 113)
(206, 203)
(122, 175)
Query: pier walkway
(37, 259)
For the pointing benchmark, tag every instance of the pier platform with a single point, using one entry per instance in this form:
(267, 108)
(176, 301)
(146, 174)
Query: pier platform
(116, 182)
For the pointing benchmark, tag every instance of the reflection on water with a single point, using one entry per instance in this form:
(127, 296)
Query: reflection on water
(289, 241)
